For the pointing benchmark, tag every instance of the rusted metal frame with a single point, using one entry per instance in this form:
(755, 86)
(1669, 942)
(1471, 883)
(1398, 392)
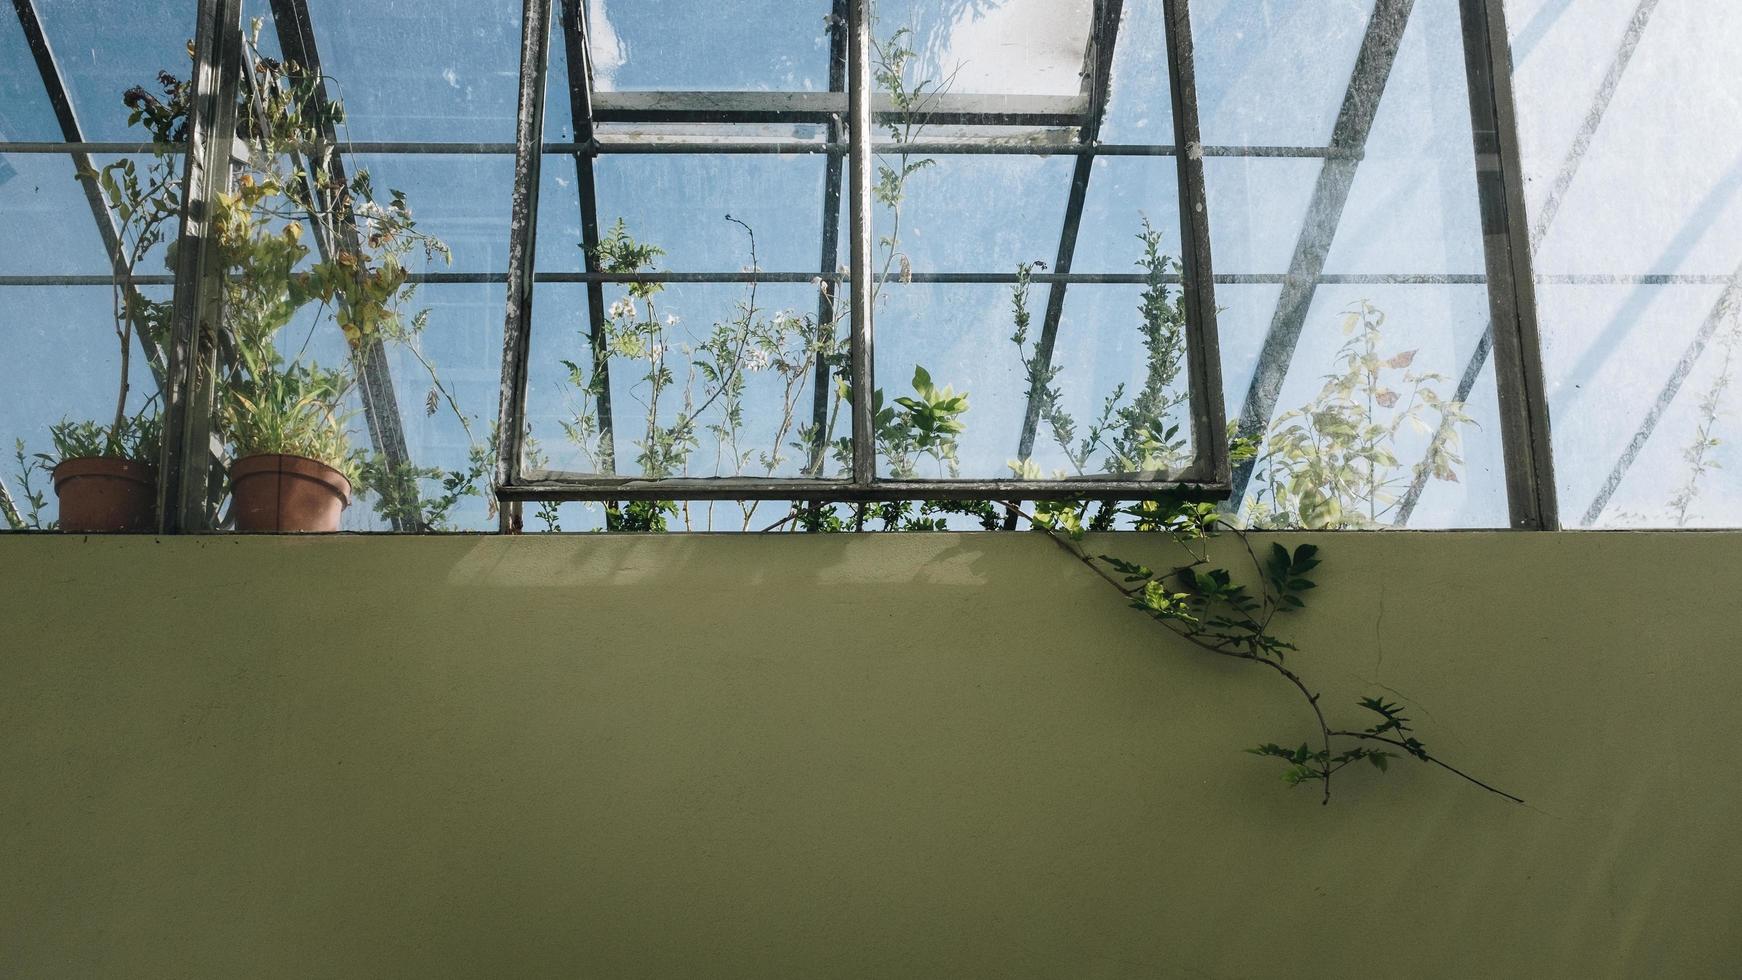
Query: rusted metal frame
(822, 393)
(1550, 209)
(296, 41)
(522, 246)
(1203, 344)
(965, 278)
(1097, 81)
(583, 487)
(1524, 426)
(944, 109)
(551, 485)
(54, 85)
(773, 145)
(580, 78)
(861, 359)
(1367, 83)
(1508, 246)
(188, 476)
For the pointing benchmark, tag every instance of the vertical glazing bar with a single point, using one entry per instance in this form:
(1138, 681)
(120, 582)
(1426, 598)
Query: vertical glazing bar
(1524, 433)
(859, 129)
(1097, 84)
(523, 237)
(54, 85)
(1324, 215)
(184, 491)
(296, 41)
(580, 65)
(829, 287)
(1203, 350)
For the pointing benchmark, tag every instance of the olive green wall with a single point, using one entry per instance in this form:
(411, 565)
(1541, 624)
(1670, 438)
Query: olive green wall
(837, 756)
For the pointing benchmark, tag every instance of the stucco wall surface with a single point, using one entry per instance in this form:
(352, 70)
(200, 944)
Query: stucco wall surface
(853, 756)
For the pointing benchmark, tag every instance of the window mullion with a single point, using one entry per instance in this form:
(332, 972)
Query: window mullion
(1203, 351)
(1524, 433)
(183, 493)
(523, 233)
(859, 150)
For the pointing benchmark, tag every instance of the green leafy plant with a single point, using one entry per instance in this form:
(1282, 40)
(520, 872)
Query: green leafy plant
(293, 411)
(145, 201)
(1210, 608)
(1333, 463)
(354, 274)
(690, 385)
(1129, 435)
(29, 517)
(137, 437)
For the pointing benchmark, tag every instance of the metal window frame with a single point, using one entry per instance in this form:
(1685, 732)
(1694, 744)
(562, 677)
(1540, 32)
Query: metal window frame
(1209, 473)
(1512, 333)
(186, 476)
(189, 362)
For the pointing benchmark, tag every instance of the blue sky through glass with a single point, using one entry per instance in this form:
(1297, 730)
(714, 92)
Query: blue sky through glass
(1270, 72)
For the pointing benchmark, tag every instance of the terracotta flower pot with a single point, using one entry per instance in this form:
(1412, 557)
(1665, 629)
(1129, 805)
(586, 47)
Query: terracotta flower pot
(273, 492)
(103, 494)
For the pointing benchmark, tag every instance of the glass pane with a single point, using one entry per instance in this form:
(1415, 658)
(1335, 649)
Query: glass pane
(709, 367)
(79, 384)
(1275, 73)
(363, 304)
(732, 45)
(1634, 177)
(1383, 415)
(965, 390)
(697, 380)
(1115, 403)
(972, 213)
(1368, 430)
(1140, 106)
(104, 49)
(1009, 47)
(25, 113)
(452, 75)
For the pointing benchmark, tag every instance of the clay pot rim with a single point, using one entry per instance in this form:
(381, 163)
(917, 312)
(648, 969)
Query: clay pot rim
(259, 464)
(114, 467)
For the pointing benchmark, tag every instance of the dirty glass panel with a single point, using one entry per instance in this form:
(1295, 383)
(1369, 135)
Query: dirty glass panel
(685, 324)
(364, 259)
(1633, 165)
(1024, 375)
(1344, 193)
(81, 373)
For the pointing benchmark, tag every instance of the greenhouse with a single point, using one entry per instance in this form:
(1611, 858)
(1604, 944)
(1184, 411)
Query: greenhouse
(870, 488)
(627, 236)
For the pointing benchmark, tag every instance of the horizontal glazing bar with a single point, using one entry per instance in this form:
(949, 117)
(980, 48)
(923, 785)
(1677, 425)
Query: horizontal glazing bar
(775, 145)
(951, 278)
(581, 489)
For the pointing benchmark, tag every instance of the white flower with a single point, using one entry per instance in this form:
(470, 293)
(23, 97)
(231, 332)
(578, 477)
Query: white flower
(756, 360)
(622, 309)
(656, 352)
(671, 319)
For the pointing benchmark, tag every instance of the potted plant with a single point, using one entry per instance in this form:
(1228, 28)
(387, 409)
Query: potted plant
(106, 475)
(284, 419)
(294, 468)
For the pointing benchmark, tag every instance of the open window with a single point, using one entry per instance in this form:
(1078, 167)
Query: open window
(870, 251)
